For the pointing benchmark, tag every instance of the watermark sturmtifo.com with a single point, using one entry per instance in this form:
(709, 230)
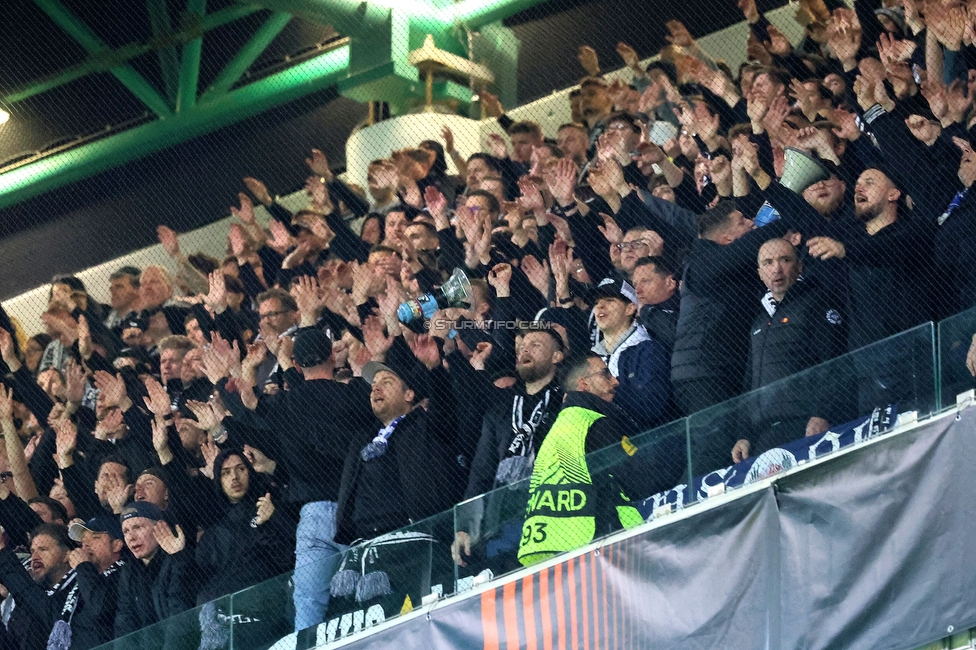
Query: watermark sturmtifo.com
(439, 324)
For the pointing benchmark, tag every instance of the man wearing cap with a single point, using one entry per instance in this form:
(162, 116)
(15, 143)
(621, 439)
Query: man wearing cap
(98, 564)
(888, 251)
(183, 500)
(397, 473)
(133, 332)
(309, 426)
(639, 363)
(511, 432)
(152, 587)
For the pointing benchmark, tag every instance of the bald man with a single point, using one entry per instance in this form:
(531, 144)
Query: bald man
(799, 326)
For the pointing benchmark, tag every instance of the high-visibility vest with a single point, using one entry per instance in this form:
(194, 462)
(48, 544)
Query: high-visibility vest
(562, 512)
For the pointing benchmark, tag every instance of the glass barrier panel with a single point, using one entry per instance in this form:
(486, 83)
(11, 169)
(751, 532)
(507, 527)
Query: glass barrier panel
(205, 627)
(263, 614)
(368, 583)
(851, 397)
(955, 338)
(487, 530)
(646, 465)
(493, 526)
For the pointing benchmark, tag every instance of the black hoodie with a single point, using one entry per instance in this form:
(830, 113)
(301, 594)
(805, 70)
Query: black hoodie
(233, 554)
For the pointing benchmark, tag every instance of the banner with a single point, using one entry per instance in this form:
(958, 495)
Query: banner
(769, 463)
(869, 550)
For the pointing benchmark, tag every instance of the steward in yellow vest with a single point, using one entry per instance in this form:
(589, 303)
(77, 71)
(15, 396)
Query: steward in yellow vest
(568, 506)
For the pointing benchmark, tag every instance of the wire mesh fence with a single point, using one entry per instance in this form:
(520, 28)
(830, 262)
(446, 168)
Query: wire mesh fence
(505, 331)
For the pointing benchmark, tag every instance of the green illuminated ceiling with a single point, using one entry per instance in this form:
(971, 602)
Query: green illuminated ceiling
(369, 65)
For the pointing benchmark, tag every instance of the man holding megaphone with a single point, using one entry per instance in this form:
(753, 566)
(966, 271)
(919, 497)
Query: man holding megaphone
(718, 292)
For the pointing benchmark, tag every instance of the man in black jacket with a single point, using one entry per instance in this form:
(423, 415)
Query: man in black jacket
(799, 327)
(40, 594)
(98, 564)
(395, 477)
(888, 251)
(307, 429)
(512, 430)
(718, 292)
(152, 587)
(251, 543)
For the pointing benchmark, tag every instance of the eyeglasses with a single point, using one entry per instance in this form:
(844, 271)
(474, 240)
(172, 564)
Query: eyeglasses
(604, 372)
(271, 314)
(631, 245)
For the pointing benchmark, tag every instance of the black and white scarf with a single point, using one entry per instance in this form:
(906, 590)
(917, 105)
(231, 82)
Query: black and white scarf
(60, 637)
(520, 455)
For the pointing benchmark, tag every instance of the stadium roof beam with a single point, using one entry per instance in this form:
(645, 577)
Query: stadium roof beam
(247, 55)
(105, 61)
(136, 83)
(186, 96)
(169, 58)
(50, 172)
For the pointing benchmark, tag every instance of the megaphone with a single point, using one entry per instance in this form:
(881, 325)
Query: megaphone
(801, 170)
(453, 293)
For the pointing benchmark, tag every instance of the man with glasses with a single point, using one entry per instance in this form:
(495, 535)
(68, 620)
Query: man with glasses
(277, 318)
(481, 204)
(637, 243)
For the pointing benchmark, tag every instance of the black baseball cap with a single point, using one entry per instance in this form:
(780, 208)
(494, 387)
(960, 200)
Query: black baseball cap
(135, 322)
(102, 523)
(312, 347)
(620, 289)
(141, 509)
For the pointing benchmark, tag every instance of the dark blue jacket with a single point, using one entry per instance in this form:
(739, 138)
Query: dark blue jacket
(643, 367)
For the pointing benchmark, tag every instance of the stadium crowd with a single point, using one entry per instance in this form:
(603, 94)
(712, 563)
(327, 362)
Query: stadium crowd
(222, 422)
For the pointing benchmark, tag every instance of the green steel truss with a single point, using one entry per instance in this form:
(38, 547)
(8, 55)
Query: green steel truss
(370, 64)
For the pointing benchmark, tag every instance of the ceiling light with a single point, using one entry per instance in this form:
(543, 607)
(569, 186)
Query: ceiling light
(4, 116)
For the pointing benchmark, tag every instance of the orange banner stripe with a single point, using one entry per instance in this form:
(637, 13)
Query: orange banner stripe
(584, 600)
(544, 608)
(489, 621)
(598, 603)
(528, 613)
(560, 603)
(571, 579)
